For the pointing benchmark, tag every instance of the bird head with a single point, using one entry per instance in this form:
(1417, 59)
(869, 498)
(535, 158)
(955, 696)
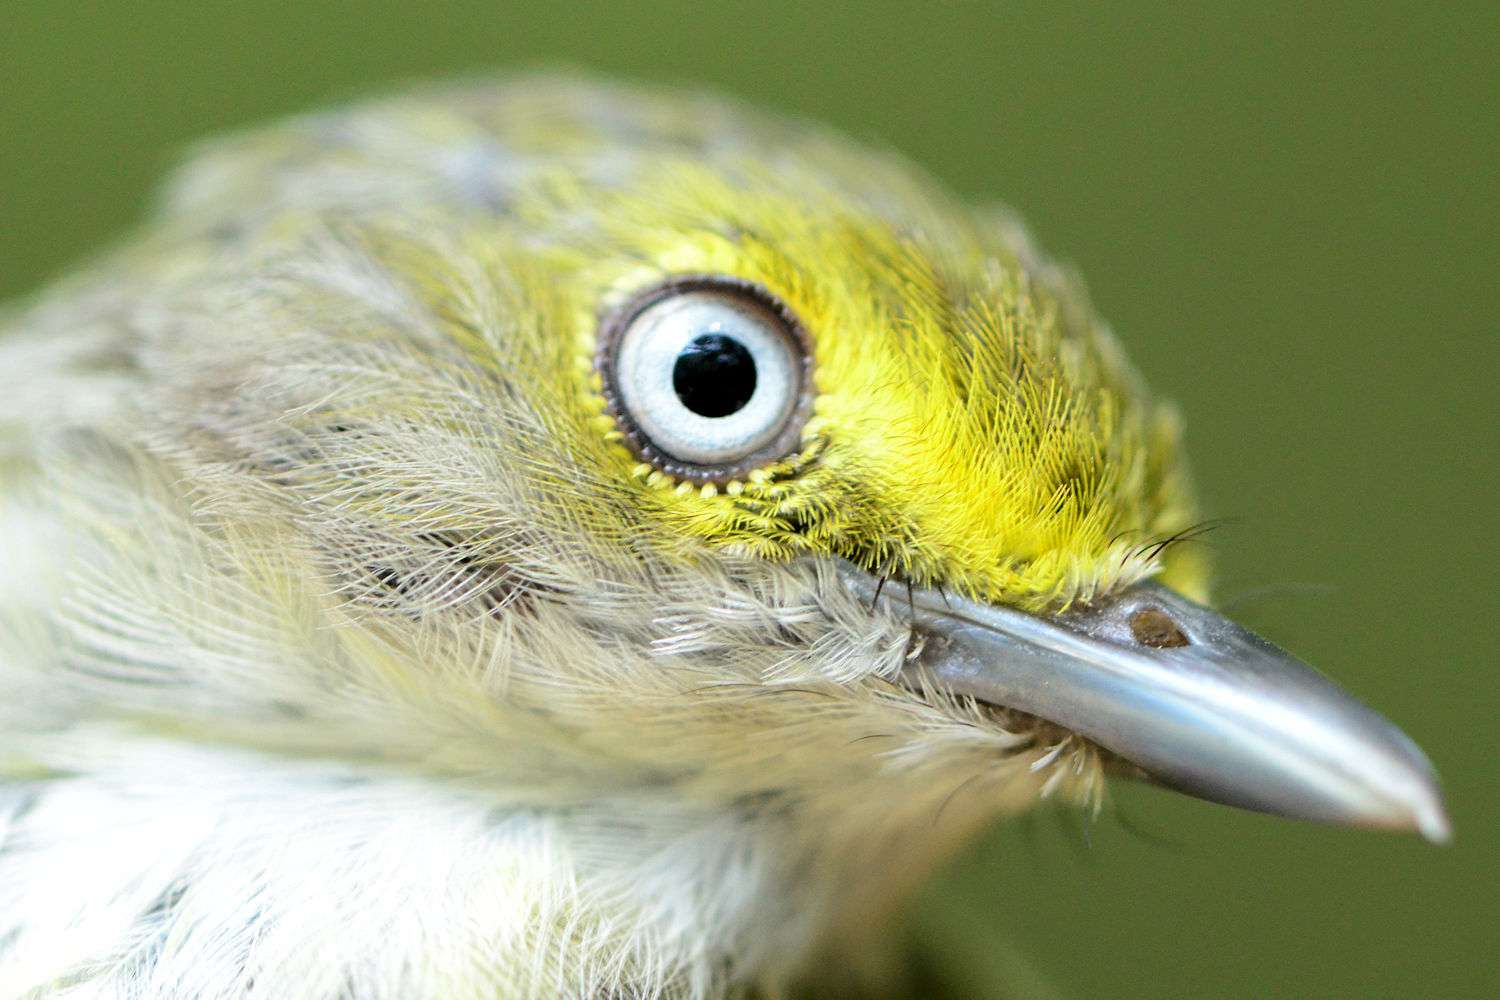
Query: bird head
(640, 462)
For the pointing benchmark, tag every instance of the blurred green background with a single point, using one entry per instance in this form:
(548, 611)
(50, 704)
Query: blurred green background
(1288, 211)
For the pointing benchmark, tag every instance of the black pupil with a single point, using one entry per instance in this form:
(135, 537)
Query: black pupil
(714, 375)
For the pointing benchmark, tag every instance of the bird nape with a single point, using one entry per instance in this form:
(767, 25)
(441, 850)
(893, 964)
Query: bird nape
(544, 538)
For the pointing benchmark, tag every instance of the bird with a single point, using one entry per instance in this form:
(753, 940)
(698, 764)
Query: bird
(541, 536)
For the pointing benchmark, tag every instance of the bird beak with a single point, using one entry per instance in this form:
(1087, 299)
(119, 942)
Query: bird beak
(1192, 699)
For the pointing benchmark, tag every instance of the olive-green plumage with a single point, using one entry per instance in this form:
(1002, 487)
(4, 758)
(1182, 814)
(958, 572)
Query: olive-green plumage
(365, 652)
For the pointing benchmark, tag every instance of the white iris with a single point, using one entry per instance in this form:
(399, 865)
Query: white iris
(647, 358)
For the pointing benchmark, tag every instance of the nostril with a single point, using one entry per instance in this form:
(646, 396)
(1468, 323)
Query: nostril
(1155, 628)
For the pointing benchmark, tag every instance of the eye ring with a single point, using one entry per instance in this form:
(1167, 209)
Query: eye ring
(785, 411)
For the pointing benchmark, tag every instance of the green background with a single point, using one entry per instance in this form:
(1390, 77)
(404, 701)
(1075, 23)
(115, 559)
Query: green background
(1287, 211)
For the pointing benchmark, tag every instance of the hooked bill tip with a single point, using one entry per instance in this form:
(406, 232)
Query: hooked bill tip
(1413, 798)
(1431, 820)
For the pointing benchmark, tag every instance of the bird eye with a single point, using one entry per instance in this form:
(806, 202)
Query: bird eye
(707, 376)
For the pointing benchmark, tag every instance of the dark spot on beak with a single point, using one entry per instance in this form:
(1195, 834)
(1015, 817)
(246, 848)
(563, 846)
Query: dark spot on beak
(1153, 627)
